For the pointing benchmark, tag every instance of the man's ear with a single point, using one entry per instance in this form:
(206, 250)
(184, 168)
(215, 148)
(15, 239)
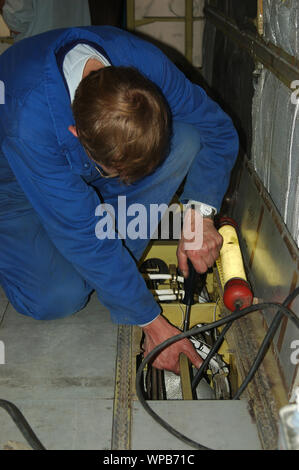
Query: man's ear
(73, 130)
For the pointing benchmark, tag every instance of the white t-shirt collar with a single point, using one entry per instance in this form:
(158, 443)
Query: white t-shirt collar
(74, 63)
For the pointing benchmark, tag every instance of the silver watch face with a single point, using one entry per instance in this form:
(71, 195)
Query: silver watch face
(206, 210)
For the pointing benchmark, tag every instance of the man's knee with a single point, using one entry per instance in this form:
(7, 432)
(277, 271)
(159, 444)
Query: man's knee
(60, 303)
(50, 302)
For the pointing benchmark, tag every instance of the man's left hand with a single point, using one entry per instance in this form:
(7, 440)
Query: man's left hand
(205, 257)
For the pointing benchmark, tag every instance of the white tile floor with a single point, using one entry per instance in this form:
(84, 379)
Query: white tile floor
(60, 374)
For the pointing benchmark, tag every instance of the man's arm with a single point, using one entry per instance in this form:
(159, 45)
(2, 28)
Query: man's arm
(205, 256)
(160, 330)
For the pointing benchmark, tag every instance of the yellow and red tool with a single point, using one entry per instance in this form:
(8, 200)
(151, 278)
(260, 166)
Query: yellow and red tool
(237, 292)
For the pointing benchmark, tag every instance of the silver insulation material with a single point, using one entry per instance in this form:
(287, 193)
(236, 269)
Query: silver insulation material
(281, 24)
(174, 388)
(275, 128)
(276, 146)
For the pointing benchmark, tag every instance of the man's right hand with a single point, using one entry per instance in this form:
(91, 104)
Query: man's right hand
(158, 331)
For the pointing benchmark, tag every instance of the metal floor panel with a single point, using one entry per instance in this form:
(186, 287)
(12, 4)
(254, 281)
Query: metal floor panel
(217, 424)
(60, 373)
(63, 424)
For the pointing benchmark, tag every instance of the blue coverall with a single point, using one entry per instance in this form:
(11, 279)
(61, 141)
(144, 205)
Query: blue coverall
(50, 258)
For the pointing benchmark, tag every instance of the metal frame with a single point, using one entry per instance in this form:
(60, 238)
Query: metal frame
(283, 65)
(132, 23)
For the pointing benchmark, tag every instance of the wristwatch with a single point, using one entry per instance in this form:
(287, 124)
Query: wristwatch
(207, 212)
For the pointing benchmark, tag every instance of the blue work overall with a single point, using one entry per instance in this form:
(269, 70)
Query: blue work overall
(50, 257)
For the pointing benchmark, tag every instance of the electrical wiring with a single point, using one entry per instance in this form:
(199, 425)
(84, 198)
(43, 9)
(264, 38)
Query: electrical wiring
(203, 350)
(265, 344)
(211, 360)
(22, 424)
(199, 374)
(234, 316)
(282, 311)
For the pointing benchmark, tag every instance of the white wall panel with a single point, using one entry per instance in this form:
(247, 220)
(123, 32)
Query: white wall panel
(172, 33)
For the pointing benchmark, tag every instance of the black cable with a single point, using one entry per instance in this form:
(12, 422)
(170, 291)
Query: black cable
(214, 349)
(265, 344)
(260, 356)
(163, 423)
(23, 425)
(233, 316)
(193, 331)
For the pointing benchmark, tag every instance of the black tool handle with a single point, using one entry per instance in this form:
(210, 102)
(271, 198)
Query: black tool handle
(189, 285)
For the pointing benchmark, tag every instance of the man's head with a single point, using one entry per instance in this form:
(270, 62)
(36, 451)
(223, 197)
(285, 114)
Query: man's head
(122, 121)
